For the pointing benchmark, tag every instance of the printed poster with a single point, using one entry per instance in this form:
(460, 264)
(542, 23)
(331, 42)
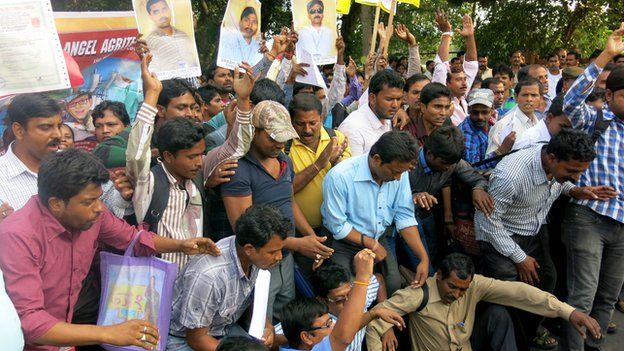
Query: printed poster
(315, 21)
(240, 34)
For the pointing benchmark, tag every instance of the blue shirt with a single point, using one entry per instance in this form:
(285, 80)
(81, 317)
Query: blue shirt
(607, 168)
(353, 200)
(324, 345)
(476, 140)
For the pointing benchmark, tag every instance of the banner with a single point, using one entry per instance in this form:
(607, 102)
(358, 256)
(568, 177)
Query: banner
(31, 58)
(315, 21)
(168, 29)
(343, 7)
(240, 34)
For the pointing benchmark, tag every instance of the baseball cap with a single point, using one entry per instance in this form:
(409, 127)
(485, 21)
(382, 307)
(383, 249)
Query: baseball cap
(572, 72)
(481, 96)
(274, 118)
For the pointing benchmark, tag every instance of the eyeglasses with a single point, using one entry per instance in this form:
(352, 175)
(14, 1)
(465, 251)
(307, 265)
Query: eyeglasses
(80, 102)
(325, 325)
(313, 11)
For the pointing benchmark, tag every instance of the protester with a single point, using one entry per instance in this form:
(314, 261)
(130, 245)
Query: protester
(110, 118)
(435, 106)
(67, 137)
(546, 128)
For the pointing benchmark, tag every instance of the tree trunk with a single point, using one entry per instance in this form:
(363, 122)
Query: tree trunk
(367, 16)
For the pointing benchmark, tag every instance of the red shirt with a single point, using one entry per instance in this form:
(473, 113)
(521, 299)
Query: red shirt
(44, 264)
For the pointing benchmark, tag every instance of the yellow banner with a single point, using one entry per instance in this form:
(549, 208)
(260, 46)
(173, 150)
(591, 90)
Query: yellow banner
(368, 2)
(343, 7)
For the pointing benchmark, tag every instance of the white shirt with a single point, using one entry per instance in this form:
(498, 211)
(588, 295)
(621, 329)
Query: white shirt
(440, 72)
(553, 79)
(319, 43)
(17, 182)
(536, 134)
(363, 129)
(519, 124)
(11, 337)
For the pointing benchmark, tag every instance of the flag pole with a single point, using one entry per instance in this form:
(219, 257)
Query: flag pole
(389, 28)
(374, 38)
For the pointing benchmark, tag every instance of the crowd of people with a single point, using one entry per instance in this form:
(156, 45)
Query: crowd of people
(445, 206)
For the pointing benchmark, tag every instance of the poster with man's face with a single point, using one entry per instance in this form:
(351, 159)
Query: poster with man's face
(315, 21)
(167, 26)
(240, 38)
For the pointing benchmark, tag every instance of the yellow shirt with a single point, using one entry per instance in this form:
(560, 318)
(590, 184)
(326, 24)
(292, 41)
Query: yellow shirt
(310, 197)
(443, 327)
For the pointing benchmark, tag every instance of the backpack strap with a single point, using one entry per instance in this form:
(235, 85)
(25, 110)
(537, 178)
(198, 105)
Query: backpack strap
(160, 198)
(600, 126)
(425, 298)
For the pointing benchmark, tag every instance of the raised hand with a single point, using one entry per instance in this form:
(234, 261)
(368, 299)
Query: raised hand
(298, 69)
(467, 26)
(244, 81)
(442, 21)
(140, 46)
(340, 48)
(152, 86)
(615, 45)
(122, 184)
(351, 68)
(404, 34)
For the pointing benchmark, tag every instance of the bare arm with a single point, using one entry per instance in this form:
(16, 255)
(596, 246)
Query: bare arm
(199, 340)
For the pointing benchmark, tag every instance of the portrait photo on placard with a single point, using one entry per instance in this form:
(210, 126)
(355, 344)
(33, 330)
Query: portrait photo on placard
(315, 21)
(167, 26)
(240, 38)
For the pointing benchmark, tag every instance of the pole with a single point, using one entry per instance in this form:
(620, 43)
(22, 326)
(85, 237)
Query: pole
(389, 28)
(374, 36)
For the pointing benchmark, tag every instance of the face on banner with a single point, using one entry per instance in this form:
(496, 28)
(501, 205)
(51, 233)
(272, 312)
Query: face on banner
(240, 34)
(168, 29)
(315, 21)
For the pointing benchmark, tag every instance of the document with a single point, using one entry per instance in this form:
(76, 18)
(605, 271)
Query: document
(261, 299)
(313, 76)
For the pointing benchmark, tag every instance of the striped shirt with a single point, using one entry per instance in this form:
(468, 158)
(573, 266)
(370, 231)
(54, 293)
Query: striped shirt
(212, 292)
(356, 344)
(522, 197)
(172, 53)
(607, 168)
(17, 182)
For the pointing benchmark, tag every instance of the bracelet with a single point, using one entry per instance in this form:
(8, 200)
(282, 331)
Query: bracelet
(357, 282)
(450, 34)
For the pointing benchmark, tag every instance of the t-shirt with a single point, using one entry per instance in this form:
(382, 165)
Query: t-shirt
(553, 79)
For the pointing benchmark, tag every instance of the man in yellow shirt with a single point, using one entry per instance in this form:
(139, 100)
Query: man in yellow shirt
(313, 154)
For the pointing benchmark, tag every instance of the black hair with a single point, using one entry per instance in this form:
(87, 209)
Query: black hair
(258, 224)
(315, 2)
(248, 11)
(173, 88)
(266, 89)
(523, 73)
(415, 78)
(393, 58)
(559, 86)
(595, 54)
(446, 143)
(397, 146)
(433, 91)
(297, 87)
(298, 315)
(208, 92)
(460, 53)
(596, 94)
(385, 79)
(66, 173)
(115, 107)
(572, 144)
(514, 51)
(455, 59)
(329, 277)
(527, 82)
(178, 134)
(149, 4)
(617, 57)
(428, 62)
(240, 343)
(556, 106)
(305, 102)
(615, 79)
(489, 81)
(71, 131)
(460, 264)
(552, 54)
(482, 55)
(502, 68)
(27, 106)
(576, 54)
(610, 66)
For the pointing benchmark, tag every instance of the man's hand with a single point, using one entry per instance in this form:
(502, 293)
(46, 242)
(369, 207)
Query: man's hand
(351, 68)
(363, 263)
(601, 192)
(381, 32)
(196, 246)
(579, 320)
(369, 67)
(467, 26)
(331, 152)
(425, 200)
(243, 81)
(527, 270)
(400, 119)
(298, 69)
(152, 86)
(222, 174)
(135, 332)
(422, 272)
(389, 341)
(280, 44)
(482, 201)
(403, 33)
(140, 46)
(615, 45)
(340, 48)
(382, 62)
(389, 316)
(312, 246)
(5, 211)
(338, 155)
(507, 144)
(380, 251)
(122, 184)
(230, 112)
(268, 336)
(442, 21)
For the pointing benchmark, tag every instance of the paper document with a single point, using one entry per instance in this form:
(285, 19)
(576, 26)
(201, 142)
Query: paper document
(314, 76)
(505, 131)
(261, 299)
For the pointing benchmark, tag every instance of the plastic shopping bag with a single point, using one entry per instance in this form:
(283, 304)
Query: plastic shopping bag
(136, 288)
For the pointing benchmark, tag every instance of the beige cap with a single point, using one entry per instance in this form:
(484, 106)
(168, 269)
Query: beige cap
(274, 118)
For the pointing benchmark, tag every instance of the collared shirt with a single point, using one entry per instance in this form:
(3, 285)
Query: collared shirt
(607, 168)
(522, 197)
(352, 199)
(476, 140)
(310, 197)
(11, 336)
(440, 72)
(212, 292)
(356, 344)
(44, 264)
(17, 182)
(171, 52)
(519, 124)
(363, 129)
(443, 327)
(324, 345)
(235, 48)
(509, 103)
(320, 43)
(536, 134)
(553, 79)
(419, 131)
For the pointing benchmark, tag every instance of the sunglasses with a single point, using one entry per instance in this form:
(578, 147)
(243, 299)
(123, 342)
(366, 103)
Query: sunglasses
(313, 11)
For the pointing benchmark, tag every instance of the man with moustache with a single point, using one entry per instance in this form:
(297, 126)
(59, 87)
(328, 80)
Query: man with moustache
(316, 38)
(173, 49)
(554, 74)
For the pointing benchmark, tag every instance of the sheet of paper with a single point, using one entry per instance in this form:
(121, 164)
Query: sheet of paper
(31, 57)
(505, 131)
(240, 39)
(261, 299)
(314, 76)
